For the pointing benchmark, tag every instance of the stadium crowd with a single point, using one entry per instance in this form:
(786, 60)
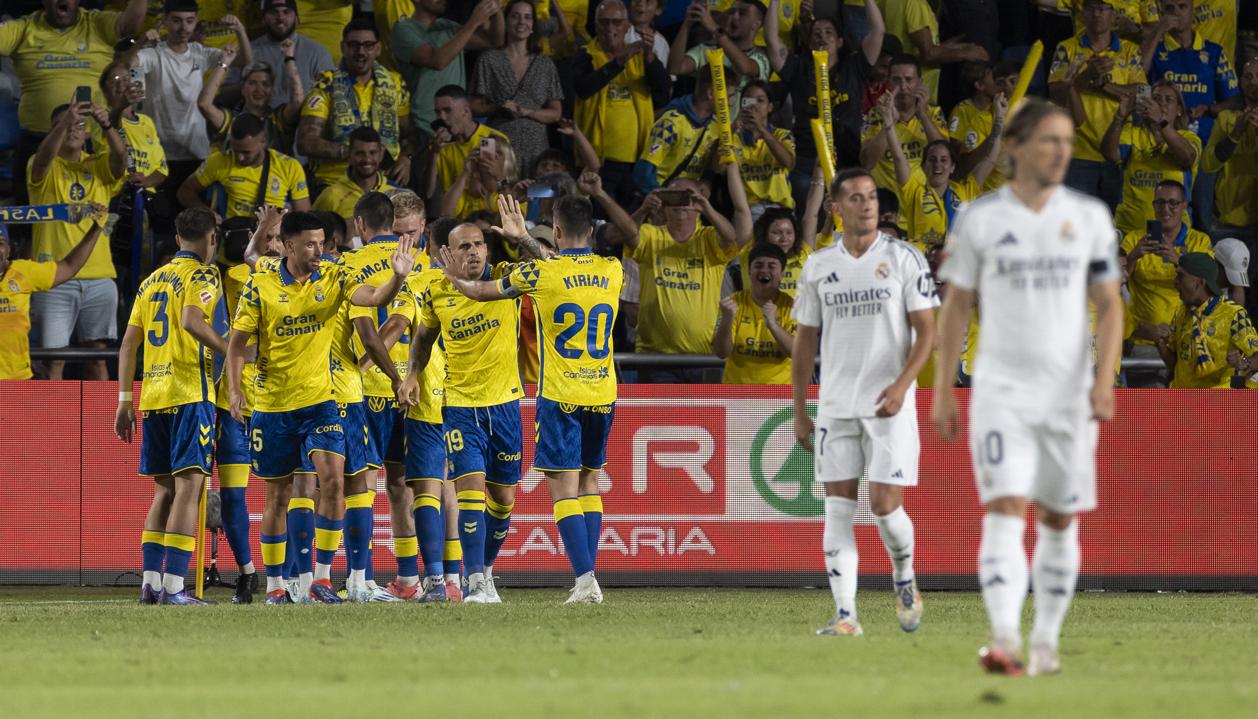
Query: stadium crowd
(148, 107)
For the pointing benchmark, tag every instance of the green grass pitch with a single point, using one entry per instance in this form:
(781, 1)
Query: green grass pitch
(645, 653)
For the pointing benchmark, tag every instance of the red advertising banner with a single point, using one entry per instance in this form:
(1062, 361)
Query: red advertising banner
(703, 483)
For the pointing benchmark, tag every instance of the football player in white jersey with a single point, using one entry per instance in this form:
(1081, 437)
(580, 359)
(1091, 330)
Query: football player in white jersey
(1033, 253)
(871, 299)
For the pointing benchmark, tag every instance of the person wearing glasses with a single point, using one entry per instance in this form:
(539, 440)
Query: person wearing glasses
(1153, 261)
(360, 92)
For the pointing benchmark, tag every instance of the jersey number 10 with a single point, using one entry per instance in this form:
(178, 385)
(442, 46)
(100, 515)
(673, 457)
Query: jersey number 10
(600, 314)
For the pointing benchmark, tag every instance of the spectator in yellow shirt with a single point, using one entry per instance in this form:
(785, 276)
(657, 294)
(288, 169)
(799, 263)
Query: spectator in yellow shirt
(682, 263)
(54, 51)
(1132, 18)
(915, 24)
(1152, 261)
(930, 197)
(241, 171)
(19, 279)
(457, 135)
(488, 170)
(257, 83)
(1101, 67)
(777, 227)
(362, 176)
(916, 121)
(618, 87)
(970, 125)
(755, 332)
(86, 308)
(1151, 145)
(1208, 329)
(1233, 154)
(766, 154)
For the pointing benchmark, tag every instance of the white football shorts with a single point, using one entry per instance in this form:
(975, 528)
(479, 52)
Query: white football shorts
(1050, 459)
(888, 447)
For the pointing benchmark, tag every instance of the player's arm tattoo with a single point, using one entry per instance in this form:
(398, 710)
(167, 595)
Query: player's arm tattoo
(535, 249)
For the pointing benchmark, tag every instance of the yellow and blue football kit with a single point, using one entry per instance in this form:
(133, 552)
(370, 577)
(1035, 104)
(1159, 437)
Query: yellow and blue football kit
(913, 141)
(757, 358)
(21, 279)
(342, 195)
(575, 295)
(927, 215)
(294, 411)
(1154, 298)
(451, 158)
(425, 442)
(969, 127)
(1202, 337)
(87, 179)
(764, 179)
(177, 391)
(1146, 162)
(319, 104)
(1099, 108)
(681, 288)
(482, 388)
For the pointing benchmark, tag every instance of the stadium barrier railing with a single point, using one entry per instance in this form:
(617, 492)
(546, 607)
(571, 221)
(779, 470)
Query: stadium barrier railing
(704, 486)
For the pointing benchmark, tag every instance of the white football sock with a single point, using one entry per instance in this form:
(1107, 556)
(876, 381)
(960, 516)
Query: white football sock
(1054, 570)
(274, 584)
(453, 578)
(1002, 573)
(839, 542)
(153, 580)
(247, 568)
(322, 571)
(172, 583)
(896, 530)
(357, 578)
(304, 580)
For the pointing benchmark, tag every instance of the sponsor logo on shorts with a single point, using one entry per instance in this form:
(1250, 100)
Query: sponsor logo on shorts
(328, 428)
(504, 457)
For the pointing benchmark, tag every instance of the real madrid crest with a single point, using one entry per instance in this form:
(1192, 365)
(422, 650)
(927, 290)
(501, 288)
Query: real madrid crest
(1067, 231)
(883, 271)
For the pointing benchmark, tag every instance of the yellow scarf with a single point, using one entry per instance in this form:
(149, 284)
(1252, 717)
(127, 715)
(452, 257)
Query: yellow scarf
(591, 114)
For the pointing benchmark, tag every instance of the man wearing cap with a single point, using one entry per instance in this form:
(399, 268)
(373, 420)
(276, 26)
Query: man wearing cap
(1233, 257)
(174, 71)
(1211, 337)
(312, 59)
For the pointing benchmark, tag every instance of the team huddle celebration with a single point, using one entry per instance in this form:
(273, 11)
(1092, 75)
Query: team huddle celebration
(333, 248)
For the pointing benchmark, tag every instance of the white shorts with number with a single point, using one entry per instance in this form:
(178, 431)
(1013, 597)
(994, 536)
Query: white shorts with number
(1050, 459)
(889, 447)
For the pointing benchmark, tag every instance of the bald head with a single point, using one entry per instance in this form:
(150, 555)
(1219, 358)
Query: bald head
(468, 250)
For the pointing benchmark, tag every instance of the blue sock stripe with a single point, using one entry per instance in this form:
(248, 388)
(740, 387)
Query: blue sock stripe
(236, 523)
(177, 561)
(358, 526)
(496, 535)
(472, 536)
(301, 527)
(576, 542)
(153, 556)
(431, 527)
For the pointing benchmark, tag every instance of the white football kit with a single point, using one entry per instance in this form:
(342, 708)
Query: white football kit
(862, 305)
(1031, 430)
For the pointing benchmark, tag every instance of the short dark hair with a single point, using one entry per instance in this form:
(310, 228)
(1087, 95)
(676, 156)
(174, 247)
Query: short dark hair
(194, 224)
(850, 173)
(364, 133)
(439, 231)
(554, 154)
(106, 74)
(375, 209)
(295, 223)
(888, 201)
(971, 73)
(180, 6)
(454, 92)
(247, 125)
(333, 224)
(573, 214)
(360, 24)
(760, 231)
(1005, 68)
(56, 111)
(906, 59)
(952, 154)
(766, 249)
(1183, 191)
(762, 85)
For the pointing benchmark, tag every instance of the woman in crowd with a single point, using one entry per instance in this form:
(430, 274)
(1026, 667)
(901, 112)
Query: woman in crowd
(256, 83)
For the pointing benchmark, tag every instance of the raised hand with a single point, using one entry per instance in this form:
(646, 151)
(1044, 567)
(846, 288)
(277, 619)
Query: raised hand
(403, 258)
(229, 54)
(886, 108)
(590, 183)
(513, 226)
(729, 307)
(1000, 107)
(288, 47)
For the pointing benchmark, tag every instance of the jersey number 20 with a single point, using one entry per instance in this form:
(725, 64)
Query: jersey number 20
(600, 314)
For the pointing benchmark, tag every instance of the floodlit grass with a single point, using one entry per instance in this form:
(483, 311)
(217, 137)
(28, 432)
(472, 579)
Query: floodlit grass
(645, 653)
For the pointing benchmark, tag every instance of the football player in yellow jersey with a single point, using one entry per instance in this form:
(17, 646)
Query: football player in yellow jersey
(240, 171)
(374, 221)
(171, 319)
(755, 332)
(1211, 335)
(290, 312)
(917, 123)
(576, 295)
(19, 279)
(482, 392)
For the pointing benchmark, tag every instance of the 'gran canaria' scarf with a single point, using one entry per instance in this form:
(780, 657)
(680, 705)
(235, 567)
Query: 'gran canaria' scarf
(383, 114)
(1205, 363)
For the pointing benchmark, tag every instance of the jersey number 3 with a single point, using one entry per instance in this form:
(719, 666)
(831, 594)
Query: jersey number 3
(157, 339)
(600, 314)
